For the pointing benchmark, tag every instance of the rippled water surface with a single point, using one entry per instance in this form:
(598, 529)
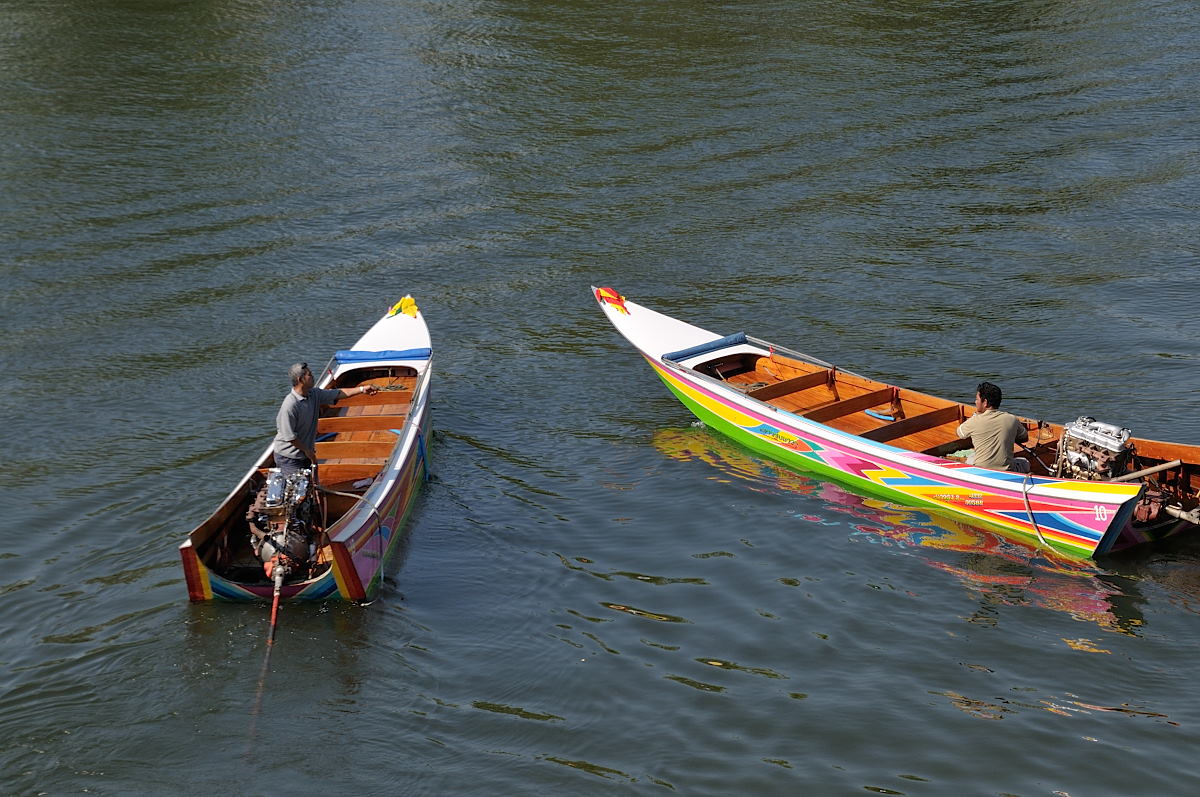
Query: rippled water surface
(596, 594)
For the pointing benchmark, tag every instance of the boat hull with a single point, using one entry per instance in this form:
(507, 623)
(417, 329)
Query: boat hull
(1071, 528)
(359, 557)
(376, 462)
(1076, 518)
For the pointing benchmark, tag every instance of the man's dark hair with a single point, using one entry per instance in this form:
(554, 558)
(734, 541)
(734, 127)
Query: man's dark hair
(990, 393)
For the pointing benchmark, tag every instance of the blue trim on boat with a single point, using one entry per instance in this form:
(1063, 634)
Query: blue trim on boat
(703, 348)
(357, 356)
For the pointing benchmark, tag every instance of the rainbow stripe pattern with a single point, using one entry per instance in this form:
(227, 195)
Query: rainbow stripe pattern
(362, 544)
(1076, 518)
(365, 538)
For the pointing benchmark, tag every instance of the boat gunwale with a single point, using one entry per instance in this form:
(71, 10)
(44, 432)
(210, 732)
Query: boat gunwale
(383, 486)
(1062, 501)
(1082, 540)
(926, 462)
(357, 525)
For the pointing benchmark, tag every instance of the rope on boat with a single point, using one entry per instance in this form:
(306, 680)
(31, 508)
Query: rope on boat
(1033, 454)
(1029, 509)
(373, 508)
(329, 366)
(423, 453)
(356, 498)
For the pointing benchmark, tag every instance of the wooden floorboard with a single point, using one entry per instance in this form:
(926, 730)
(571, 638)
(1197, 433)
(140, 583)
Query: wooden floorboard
(360, 423)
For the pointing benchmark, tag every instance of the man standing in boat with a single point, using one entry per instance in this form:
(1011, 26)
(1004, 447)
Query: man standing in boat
(993, 432)
(295, 445)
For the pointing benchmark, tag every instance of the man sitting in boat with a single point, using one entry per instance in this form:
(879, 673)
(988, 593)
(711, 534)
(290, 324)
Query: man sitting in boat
(296, 424)
(993, 432)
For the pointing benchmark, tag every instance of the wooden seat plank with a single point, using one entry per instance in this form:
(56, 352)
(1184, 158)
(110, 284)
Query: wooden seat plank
(339, 449)
(917, 423)
(360, 423)
(337, 472)
(854, 404)
(382, 397)
(793, 385)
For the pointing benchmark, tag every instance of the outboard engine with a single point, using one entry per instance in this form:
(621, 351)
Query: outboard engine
(1089, 449)
(282, 519)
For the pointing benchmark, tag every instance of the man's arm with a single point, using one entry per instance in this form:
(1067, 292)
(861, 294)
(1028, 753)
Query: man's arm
(336, 394)
(964, 428)
(347, 392)
(285, 424)
(312, 455)
(332, 395)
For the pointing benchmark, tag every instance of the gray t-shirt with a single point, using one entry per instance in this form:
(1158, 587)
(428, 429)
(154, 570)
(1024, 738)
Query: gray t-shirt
(297, 420)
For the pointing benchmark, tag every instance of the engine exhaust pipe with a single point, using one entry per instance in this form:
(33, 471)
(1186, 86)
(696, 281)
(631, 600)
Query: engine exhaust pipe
(1137, 474)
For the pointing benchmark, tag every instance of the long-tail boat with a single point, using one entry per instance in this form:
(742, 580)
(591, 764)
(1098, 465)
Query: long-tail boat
(1091, 488)
(328, 531)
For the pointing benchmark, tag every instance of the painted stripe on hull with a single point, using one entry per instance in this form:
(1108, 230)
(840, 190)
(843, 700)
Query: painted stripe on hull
(196, 574)
(1075, 526)
(345, 574)
(370, 554)
(357, 568)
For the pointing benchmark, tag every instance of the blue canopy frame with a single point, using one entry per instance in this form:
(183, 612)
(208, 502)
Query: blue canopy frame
(703, 348)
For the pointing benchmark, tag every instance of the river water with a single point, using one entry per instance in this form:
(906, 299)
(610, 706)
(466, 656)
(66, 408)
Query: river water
(597, 596)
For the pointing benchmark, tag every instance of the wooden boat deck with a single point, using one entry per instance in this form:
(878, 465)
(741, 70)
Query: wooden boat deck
(1140, 490)
(356, 436)
(926, 424)
(850, 403)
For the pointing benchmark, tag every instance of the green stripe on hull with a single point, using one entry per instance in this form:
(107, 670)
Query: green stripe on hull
(803, 463)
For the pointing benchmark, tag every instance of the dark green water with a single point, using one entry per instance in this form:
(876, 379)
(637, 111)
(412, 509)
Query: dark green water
(597, 596)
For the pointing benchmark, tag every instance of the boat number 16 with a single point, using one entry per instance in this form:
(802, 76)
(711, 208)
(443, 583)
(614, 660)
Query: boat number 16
(1101, 512)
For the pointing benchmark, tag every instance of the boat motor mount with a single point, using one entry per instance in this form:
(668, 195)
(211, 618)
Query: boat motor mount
(283, 524)
(1089, 449)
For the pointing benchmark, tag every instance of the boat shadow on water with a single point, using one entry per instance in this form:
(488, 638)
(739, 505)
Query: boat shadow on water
(997, 570)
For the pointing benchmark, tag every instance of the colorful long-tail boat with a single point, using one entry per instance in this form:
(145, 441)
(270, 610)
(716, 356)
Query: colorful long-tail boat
(1091, 488)
(328, 532)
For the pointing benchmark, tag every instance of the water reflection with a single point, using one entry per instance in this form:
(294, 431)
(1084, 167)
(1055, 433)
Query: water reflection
(999, 571)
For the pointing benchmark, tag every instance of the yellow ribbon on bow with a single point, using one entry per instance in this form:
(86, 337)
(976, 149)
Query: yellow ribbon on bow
(407, 305)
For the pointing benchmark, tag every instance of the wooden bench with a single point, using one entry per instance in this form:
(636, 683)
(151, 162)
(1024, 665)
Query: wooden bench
(335, 449)
(793, 385)
(371, 400)
(854, 404)
(917, 423)
(360, 423)
(338, 473)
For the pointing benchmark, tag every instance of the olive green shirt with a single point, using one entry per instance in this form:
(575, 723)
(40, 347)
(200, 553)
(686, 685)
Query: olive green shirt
(993, 433)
